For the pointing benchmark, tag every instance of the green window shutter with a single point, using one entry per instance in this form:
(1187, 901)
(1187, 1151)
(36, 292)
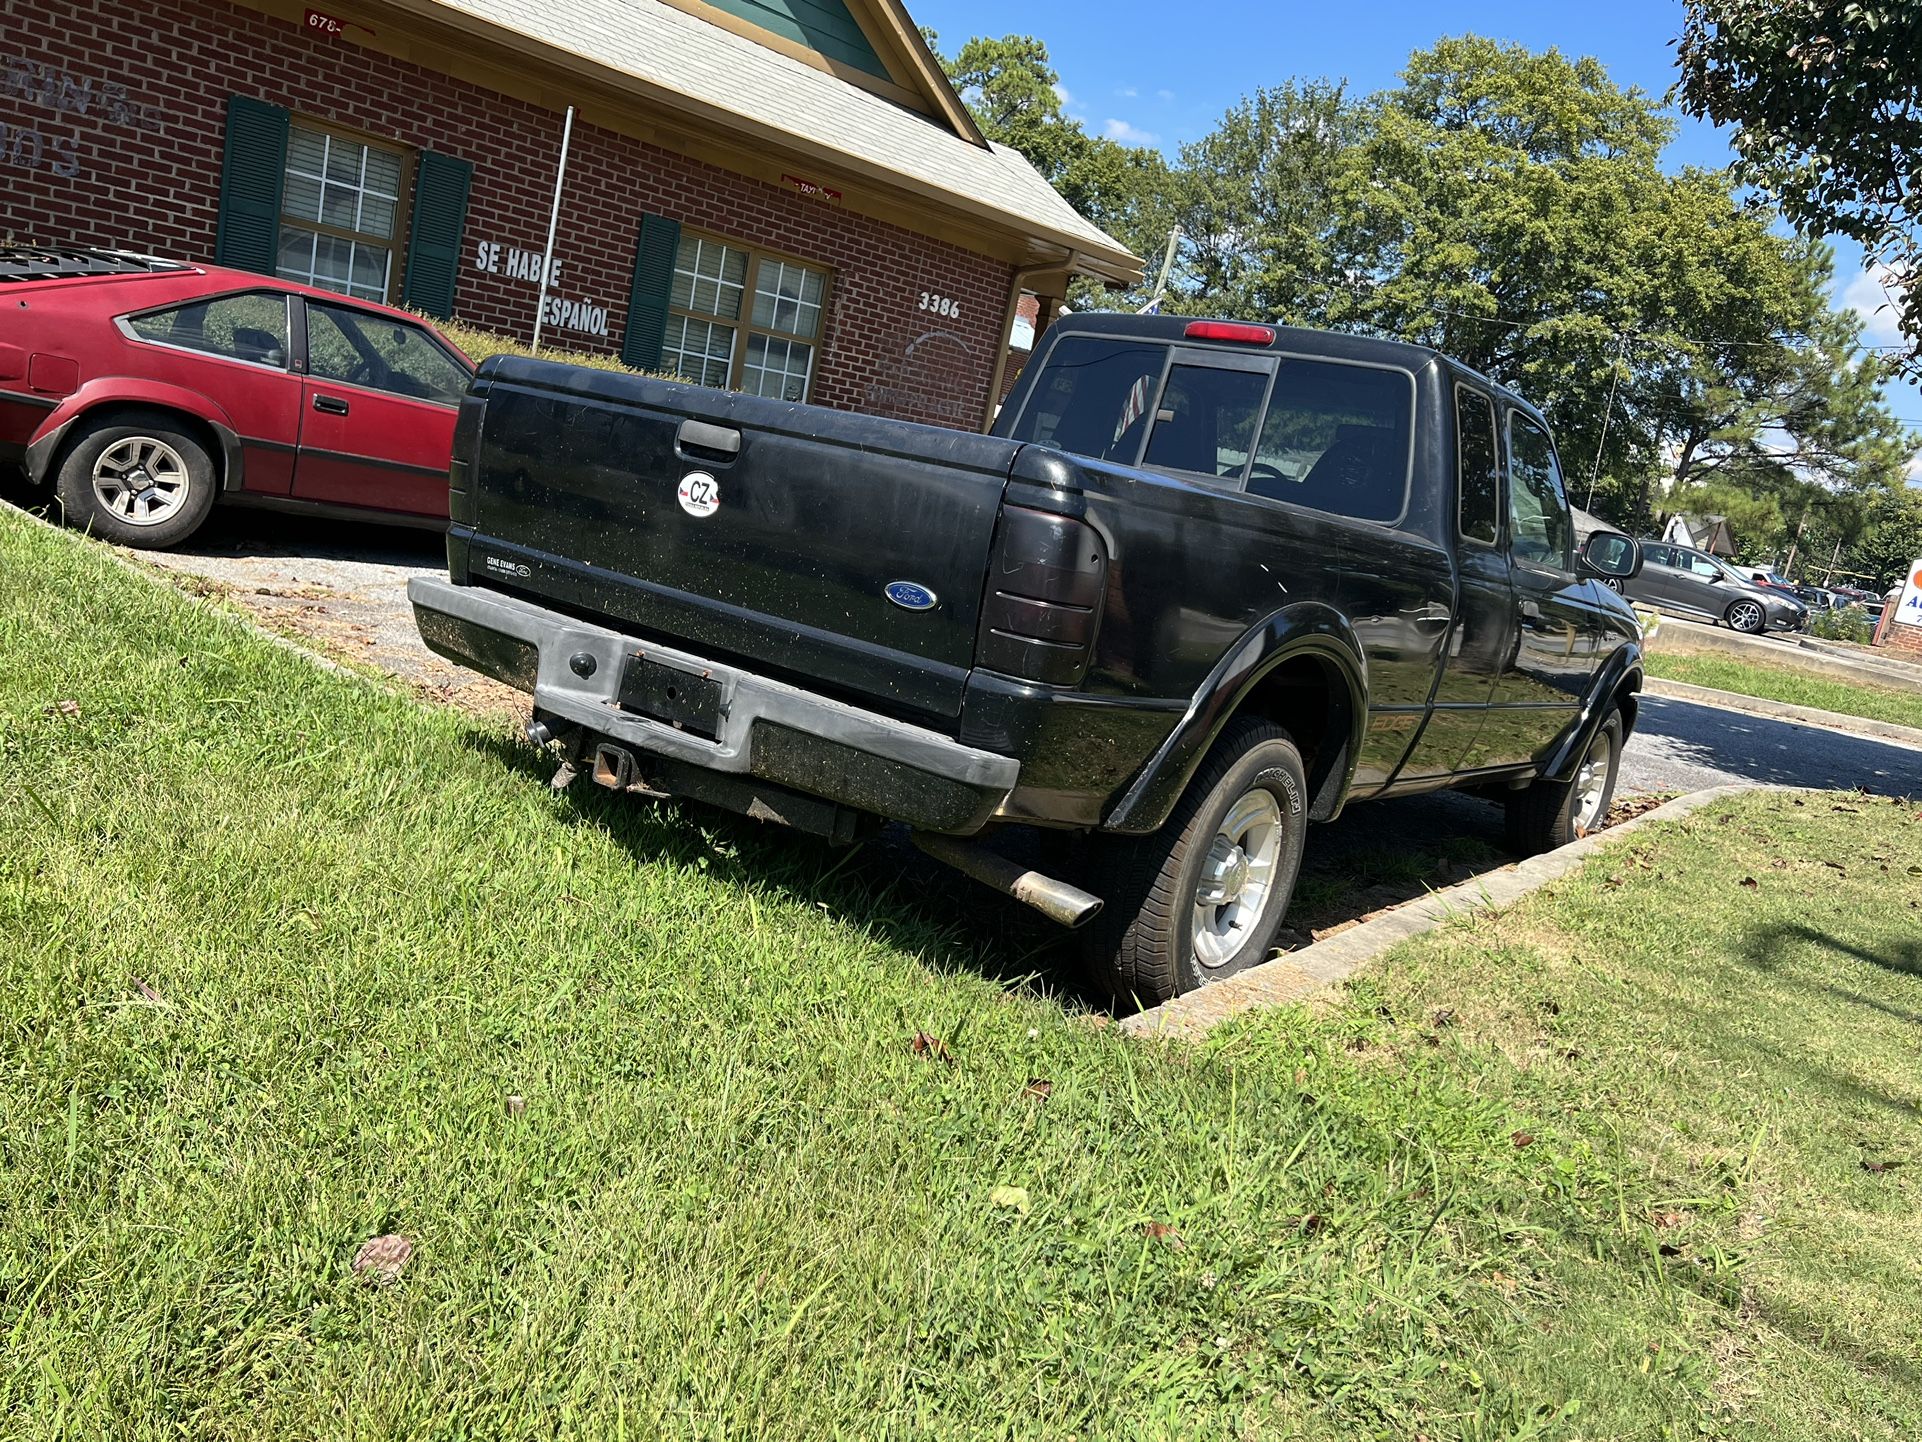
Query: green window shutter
(251, 176)
(441, 187)
(647, 302)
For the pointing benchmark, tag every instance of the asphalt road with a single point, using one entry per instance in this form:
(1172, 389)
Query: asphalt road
(1685, 746)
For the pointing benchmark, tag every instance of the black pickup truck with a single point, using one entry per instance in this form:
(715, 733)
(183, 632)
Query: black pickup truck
(1205, 582)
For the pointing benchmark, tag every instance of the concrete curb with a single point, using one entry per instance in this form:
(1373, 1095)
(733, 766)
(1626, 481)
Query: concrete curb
(1784, 711)
(1290, 978)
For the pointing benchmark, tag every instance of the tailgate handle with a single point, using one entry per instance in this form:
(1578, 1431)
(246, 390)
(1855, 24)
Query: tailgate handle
(700, 436)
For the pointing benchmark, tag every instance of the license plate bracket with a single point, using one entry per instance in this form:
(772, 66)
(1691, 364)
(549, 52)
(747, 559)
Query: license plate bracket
(686, 700)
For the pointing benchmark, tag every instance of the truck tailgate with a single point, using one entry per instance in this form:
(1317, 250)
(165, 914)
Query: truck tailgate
(749, 529)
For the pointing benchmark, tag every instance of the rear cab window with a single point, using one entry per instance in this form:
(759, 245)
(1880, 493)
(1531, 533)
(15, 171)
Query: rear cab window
(1329, 435)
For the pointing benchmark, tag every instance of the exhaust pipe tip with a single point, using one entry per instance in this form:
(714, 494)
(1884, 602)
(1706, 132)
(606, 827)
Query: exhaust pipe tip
(1061, 903)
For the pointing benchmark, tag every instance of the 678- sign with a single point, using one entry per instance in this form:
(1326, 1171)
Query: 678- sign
(324, 24)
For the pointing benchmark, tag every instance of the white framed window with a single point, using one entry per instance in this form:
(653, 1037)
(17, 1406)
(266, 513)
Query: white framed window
(718, 336)
(341, 212)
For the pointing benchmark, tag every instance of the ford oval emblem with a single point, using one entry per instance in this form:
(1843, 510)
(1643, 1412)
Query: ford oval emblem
(911, 597)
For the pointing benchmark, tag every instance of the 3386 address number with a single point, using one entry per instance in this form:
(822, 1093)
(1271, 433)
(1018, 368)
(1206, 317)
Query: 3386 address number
(941, 305)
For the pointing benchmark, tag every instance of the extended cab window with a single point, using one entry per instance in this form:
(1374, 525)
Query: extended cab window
(1206, 421)
(1479, 466)
(251, 327)
(1337, 438)
(359, 348)
(1539, 527)
(1093, 397)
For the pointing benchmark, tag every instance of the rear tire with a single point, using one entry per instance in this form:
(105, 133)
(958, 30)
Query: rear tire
(1746, 616)
(1202, 898)
(1549, 814)
(138, 478)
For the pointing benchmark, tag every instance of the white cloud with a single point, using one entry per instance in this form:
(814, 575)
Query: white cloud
(1871, 296)
(1915, 471)
(1127, 134)
(1164, 95)
(1128, 93)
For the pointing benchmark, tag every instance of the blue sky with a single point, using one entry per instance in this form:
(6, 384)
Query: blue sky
(1149, 73)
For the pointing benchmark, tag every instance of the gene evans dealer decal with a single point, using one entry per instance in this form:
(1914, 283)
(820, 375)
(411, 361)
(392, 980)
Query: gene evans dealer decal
(700, 494)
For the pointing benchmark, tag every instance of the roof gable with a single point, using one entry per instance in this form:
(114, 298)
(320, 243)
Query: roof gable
(823, 26)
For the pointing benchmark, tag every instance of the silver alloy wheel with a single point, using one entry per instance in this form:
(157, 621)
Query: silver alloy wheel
(1746, 616)
(141, 480)
(1237, 882)
(1591, 784)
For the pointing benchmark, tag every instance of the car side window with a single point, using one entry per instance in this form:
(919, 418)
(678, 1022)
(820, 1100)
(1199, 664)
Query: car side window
(1479, 466)
(1658, 556)
(1205, 424)
(250, 327)
(1701, 565)
(357, 347)
(1539, 528)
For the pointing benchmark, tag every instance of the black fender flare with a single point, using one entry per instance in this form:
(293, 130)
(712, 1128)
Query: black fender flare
(1622, 669)
(1308, 629)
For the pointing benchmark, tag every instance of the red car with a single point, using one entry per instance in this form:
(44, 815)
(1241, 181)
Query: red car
(146, 390)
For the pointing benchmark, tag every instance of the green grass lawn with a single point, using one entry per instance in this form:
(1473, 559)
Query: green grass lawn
(1798, 688)
(277, 948)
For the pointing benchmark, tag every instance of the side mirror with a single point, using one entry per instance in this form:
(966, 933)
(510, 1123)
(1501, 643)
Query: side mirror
(1612, 556)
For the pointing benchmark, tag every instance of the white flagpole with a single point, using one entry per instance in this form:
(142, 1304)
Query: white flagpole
(553, 224)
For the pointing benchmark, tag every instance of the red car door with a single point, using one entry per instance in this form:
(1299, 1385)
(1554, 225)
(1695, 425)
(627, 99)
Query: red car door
(377, 412)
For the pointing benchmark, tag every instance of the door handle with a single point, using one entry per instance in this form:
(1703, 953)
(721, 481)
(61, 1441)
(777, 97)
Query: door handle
(332, 405)
(720, 441)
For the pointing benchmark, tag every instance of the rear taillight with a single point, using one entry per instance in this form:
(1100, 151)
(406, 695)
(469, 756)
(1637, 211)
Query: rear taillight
(1043, 599)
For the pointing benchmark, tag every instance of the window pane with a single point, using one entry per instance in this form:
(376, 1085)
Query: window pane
(388, 355)
(337, 203)
(306, 151)
(343, 160)
(383, 173)
(301, 199)
(1479, 467)
(778, 368)
(1337, 439)
(250, 327)
(1538, 520)
(1205, 422)
(376, 217)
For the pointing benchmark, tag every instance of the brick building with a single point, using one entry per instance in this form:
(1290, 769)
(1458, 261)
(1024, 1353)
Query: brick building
(783, 196)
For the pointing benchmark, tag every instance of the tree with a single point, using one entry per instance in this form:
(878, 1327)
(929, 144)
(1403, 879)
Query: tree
(1826, 96)
(1011, 88)
(1892, 538)
(1256, 202)
(1510, 208)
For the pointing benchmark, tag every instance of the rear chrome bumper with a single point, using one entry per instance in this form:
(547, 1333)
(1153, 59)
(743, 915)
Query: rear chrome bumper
(765, 729)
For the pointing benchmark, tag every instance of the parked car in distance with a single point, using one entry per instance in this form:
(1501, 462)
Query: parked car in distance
(145, 391)
(1775, 580)
(1205, 583)
(1682, 581)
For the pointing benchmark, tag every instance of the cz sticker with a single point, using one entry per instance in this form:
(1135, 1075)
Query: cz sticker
(700, 494)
